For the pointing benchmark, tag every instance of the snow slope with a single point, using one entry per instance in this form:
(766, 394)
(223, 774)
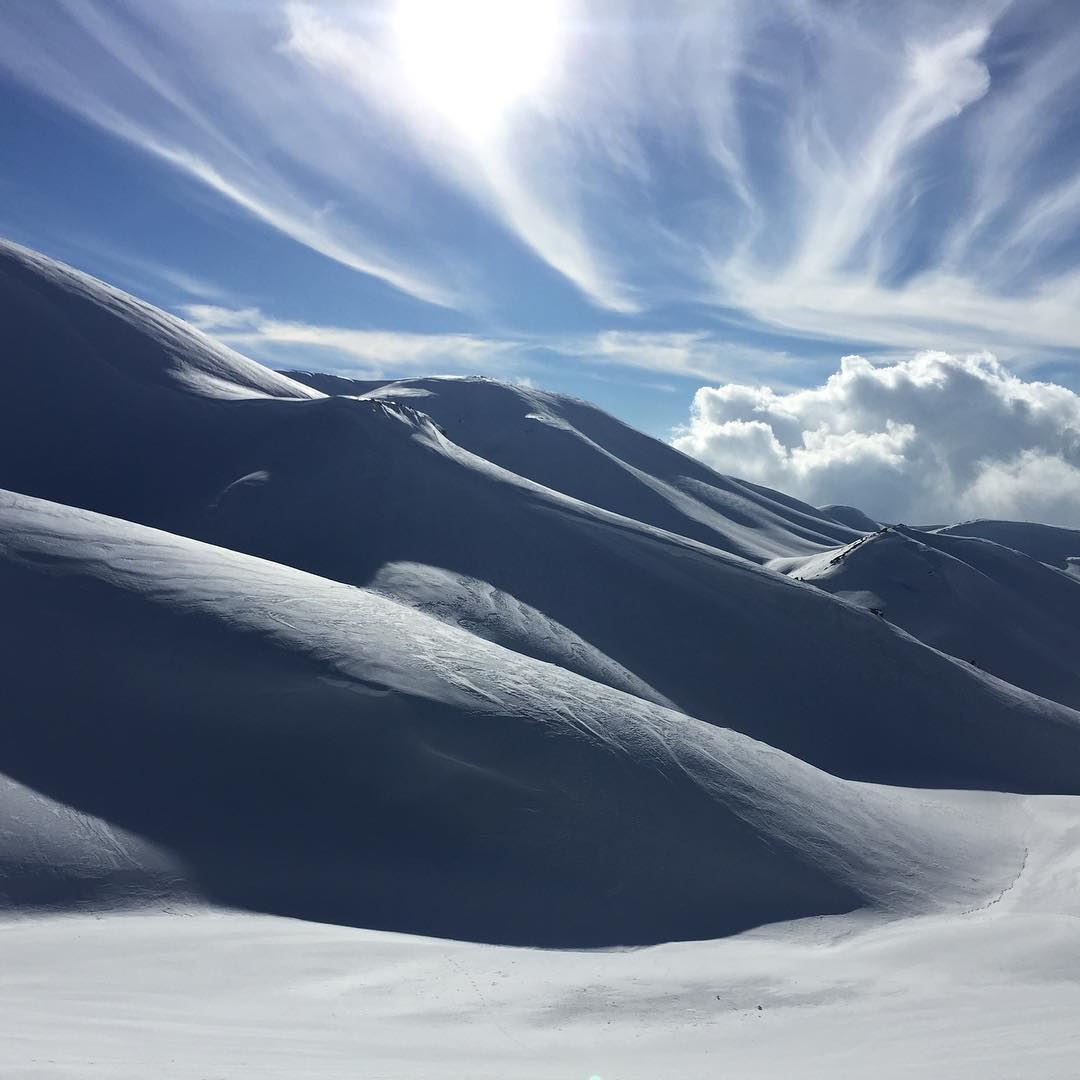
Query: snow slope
(371, 492)
(1054, 546)
(55, 857)
(356, 491)
(851, 516)
(112, 404)
(992, 995)
(575, 448)
(990, 605)
(361, 762)
(452, 658)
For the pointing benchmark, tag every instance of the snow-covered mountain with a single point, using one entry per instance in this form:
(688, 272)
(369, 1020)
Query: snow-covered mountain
(460, 658)
(997, 607)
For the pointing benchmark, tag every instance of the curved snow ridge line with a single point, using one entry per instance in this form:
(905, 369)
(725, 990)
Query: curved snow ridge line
(497, 616)
(991, 606)
(1050, 544)
(157, 346)
(570, 446)
(583, 792)
(53, 856)
(350, 488)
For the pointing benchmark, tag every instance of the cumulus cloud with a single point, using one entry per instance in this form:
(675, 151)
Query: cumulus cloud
(931, 439)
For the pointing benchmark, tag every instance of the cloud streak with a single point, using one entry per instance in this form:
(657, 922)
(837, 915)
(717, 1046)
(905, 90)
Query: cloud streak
(901, 175)
(696, 354)
(207, 90)
(349, 351)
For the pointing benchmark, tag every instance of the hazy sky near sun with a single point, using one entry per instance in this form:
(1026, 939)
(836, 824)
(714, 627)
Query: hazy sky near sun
(625, 200)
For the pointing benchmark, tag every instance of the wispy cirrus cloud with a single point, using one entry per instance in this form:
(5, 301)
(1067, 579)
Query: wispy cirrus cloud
(525, 171)
(891, 175)
(208, 90)
(700, 354)
(350, 351)
(902, 175)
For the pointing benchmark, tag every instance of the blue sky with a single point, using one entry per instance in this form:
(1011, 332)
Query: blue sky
(626, 201)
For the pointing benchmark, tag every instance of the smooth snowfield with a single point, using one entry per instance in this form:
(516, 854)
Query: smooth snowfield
(445, 728)
(993, 995)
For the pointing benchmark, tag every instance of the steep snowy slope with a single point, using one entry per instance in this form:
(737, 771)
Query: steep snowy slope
(987, 604)
(573, 447)
(112, 404)
(104, 333)
(460, 659)
(369, 492)
(318, 750)
(704, 630)
(1054, 546)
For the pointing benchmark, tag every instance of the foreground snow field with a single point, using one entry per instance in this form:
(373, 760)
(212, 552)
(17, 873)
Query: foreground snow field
(988, 996)
(445, 728)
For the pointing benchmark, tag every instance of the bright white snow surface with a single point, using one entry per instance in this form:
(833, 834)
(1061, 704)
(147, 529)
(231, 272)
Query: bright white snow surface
(445, 670)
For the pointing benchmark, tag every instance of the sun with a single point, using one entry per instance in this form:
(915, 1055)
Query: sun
(473, 61)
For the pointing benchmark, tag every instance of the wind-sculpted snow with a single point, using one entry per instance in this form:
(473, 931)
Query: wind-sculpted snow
(114, 405)
(989, 605)
(312, 749)
(723, 640)
(1050, 544)
(54, 857)
(496, 616)
(575, 448)
(89, 330)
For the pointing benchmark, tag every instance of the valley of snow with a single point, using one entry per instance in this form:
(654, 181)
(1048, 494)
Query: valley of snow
(448, 728)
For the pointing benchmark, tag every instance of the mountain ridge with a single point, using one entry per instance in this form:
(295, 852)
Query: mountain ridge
(377, 658)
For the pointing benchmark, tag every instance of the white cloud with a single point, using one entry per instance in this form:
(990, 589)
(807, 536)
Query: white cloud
(899, 174)
(697, 353)
(934, 438)
(1033, 486)
(207, 90)
(685, 353)
(523, 166)
(348, 351)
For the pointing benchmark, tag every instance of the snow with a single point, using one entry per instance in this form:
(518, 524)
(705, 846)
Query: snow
(851, 516)
(446, 728)
(47, 305)
(988, 997)
(573, 447)
(990, 605)
(463, 751)
(1050, 544)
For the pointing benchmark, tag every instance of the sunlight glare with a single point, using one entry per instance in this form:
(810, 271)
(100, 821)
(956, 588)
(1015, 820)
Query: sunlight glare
(473, 60)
